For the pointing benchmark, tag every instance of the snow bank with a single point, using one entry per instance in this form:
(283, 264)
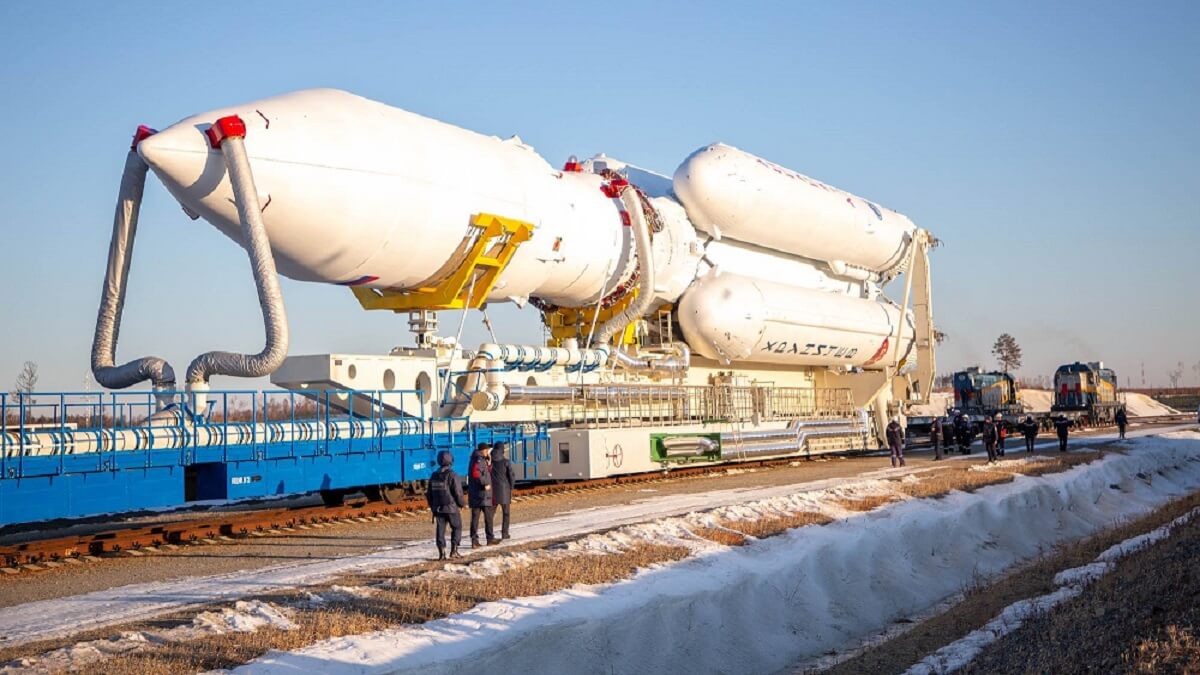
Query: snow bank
(1141, 405)
(939, 403)
(1036, 400)
(773, 603)
(1071, 582)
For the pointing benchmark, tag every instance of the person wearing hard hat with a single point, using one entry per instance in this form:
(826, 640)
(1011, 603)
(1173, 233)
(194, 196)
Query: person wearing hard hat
(1001, 434)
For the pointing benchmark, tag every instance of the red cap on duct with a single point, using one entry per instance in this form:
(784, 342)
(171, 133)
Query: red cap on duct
(143, 132)
(226, 127)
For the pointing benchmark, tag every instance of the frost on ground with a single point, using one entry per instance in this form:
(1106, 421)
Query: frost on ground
(769, 605)
(1071, 583)
(244, 617)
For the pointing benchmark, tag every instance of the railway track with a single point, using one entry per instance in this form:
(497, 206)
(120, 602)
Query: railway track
(139, 540)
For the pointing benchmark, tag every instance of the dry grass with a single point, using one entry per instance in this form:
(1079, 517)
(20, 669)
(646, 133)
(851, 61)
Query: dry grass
(769, 527)
(1175, 650)
(941, 483)
(415, 600)
(867, 503)
(725, 537)
(1059, 463)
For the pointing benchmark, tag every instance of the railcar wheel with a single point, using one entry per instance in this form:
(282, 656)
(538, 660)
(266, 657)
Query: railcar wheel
(393, 493)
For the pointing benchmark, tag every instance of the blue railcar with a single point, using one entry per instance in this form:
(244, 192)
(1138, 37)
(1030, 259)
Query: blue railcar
(69, 454)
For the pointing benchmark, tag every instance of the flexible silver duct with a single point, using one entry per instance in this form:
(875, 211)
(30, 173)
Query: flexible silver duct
(677, 363)
(645, 253)
(270, 298)
(112, 295)
(688, 446)
(531, 394)
(616, 325)
(734, 451)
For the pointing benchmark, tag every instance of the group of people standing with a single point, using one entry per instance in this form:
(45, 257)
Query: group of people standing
(490, 480)
(958, 429)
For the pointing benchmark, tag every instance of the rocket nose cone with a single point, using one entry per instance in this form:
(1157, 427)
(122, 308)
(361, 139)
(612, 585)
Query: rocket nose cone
(180, 156)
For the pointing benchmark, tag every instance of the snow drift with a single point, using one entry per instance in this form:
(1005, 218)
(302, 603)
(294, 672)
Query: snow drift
(770, 605)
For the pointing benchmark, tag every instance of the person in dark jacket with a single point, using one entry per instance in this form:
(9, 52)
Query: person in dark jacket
(1001, 434)
(895, 440)
(1062, 426)
(935, 437)
(1029, 429)
(1122, 422)
(962, 433)
(479, 493)
(990, 435)
(445, 498)
(503, 479)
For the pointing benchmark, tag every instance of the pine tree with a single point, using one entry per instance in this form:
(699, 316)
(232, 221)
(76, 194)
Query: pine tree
(1007, 352)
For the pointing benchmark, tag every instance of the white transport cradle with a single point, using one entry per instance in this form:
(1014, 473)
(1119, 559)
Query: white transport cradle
(735, 310)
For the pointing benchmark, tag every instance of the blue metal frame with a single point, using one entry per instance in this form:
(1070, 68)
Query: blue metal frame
(267, 443)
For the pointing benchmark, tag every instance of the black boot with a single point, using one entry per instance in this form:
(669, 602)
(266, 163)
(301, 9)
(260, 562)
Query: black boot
(454, 551)
(441, 553)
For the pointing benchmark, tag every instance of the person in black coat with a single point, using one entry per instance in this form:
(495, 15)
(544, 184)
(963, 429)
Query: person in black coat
(503, 479)
(1029, 429)
(1062, 426)
(1122, 422)
(895, 440)
(445, 498)
(479, 493)
(935, 437)
(962, 433)
(990, 435)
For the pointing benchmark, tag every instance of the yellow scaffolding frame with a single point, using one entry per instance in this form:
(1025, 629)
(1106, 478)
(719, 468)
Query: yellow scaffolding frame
(456, 291)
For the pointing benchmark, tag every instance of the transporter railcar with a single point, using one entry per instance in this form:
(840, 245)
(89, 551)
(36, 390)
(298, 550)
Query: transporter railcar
(734, 310)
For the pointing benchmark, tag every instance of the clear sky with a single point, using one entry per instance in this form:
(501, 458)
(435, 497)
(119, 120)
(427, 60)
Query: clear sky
(1053, 147)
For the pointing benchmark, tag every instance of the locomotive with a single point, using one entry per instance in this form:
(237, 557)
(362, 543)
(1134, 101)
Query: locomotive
(1086, 392)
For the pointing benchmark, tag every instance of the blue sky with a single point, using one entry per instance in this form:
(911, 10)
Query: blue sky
(1052, 146)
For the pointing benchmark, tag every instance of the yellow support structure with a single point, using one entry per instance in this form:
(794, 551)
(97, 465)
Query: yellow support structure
(491, 253)
(572, 322)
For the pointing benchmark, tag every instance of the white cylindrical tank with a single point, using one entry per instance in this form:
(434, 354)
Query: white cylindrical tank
(729, 317)
(730, 193)
(749, 260)
(358, 192)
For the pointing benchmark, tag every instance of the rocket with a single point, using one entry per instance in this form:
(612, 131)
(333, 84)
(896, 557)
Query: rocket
(759, 263)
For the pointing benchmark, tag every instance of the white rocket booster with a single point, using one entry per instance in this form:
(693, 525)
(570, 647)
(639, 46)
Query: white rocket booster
(762, 263)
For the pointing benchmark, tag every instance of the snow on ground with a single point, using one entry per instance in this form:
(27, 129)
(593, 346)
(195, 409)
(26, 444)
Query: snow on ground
(243, 617)
(1141, 405)
(1036, 400)
(768, 605)
(1071, 583)
(939, 403)
(66, 616)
